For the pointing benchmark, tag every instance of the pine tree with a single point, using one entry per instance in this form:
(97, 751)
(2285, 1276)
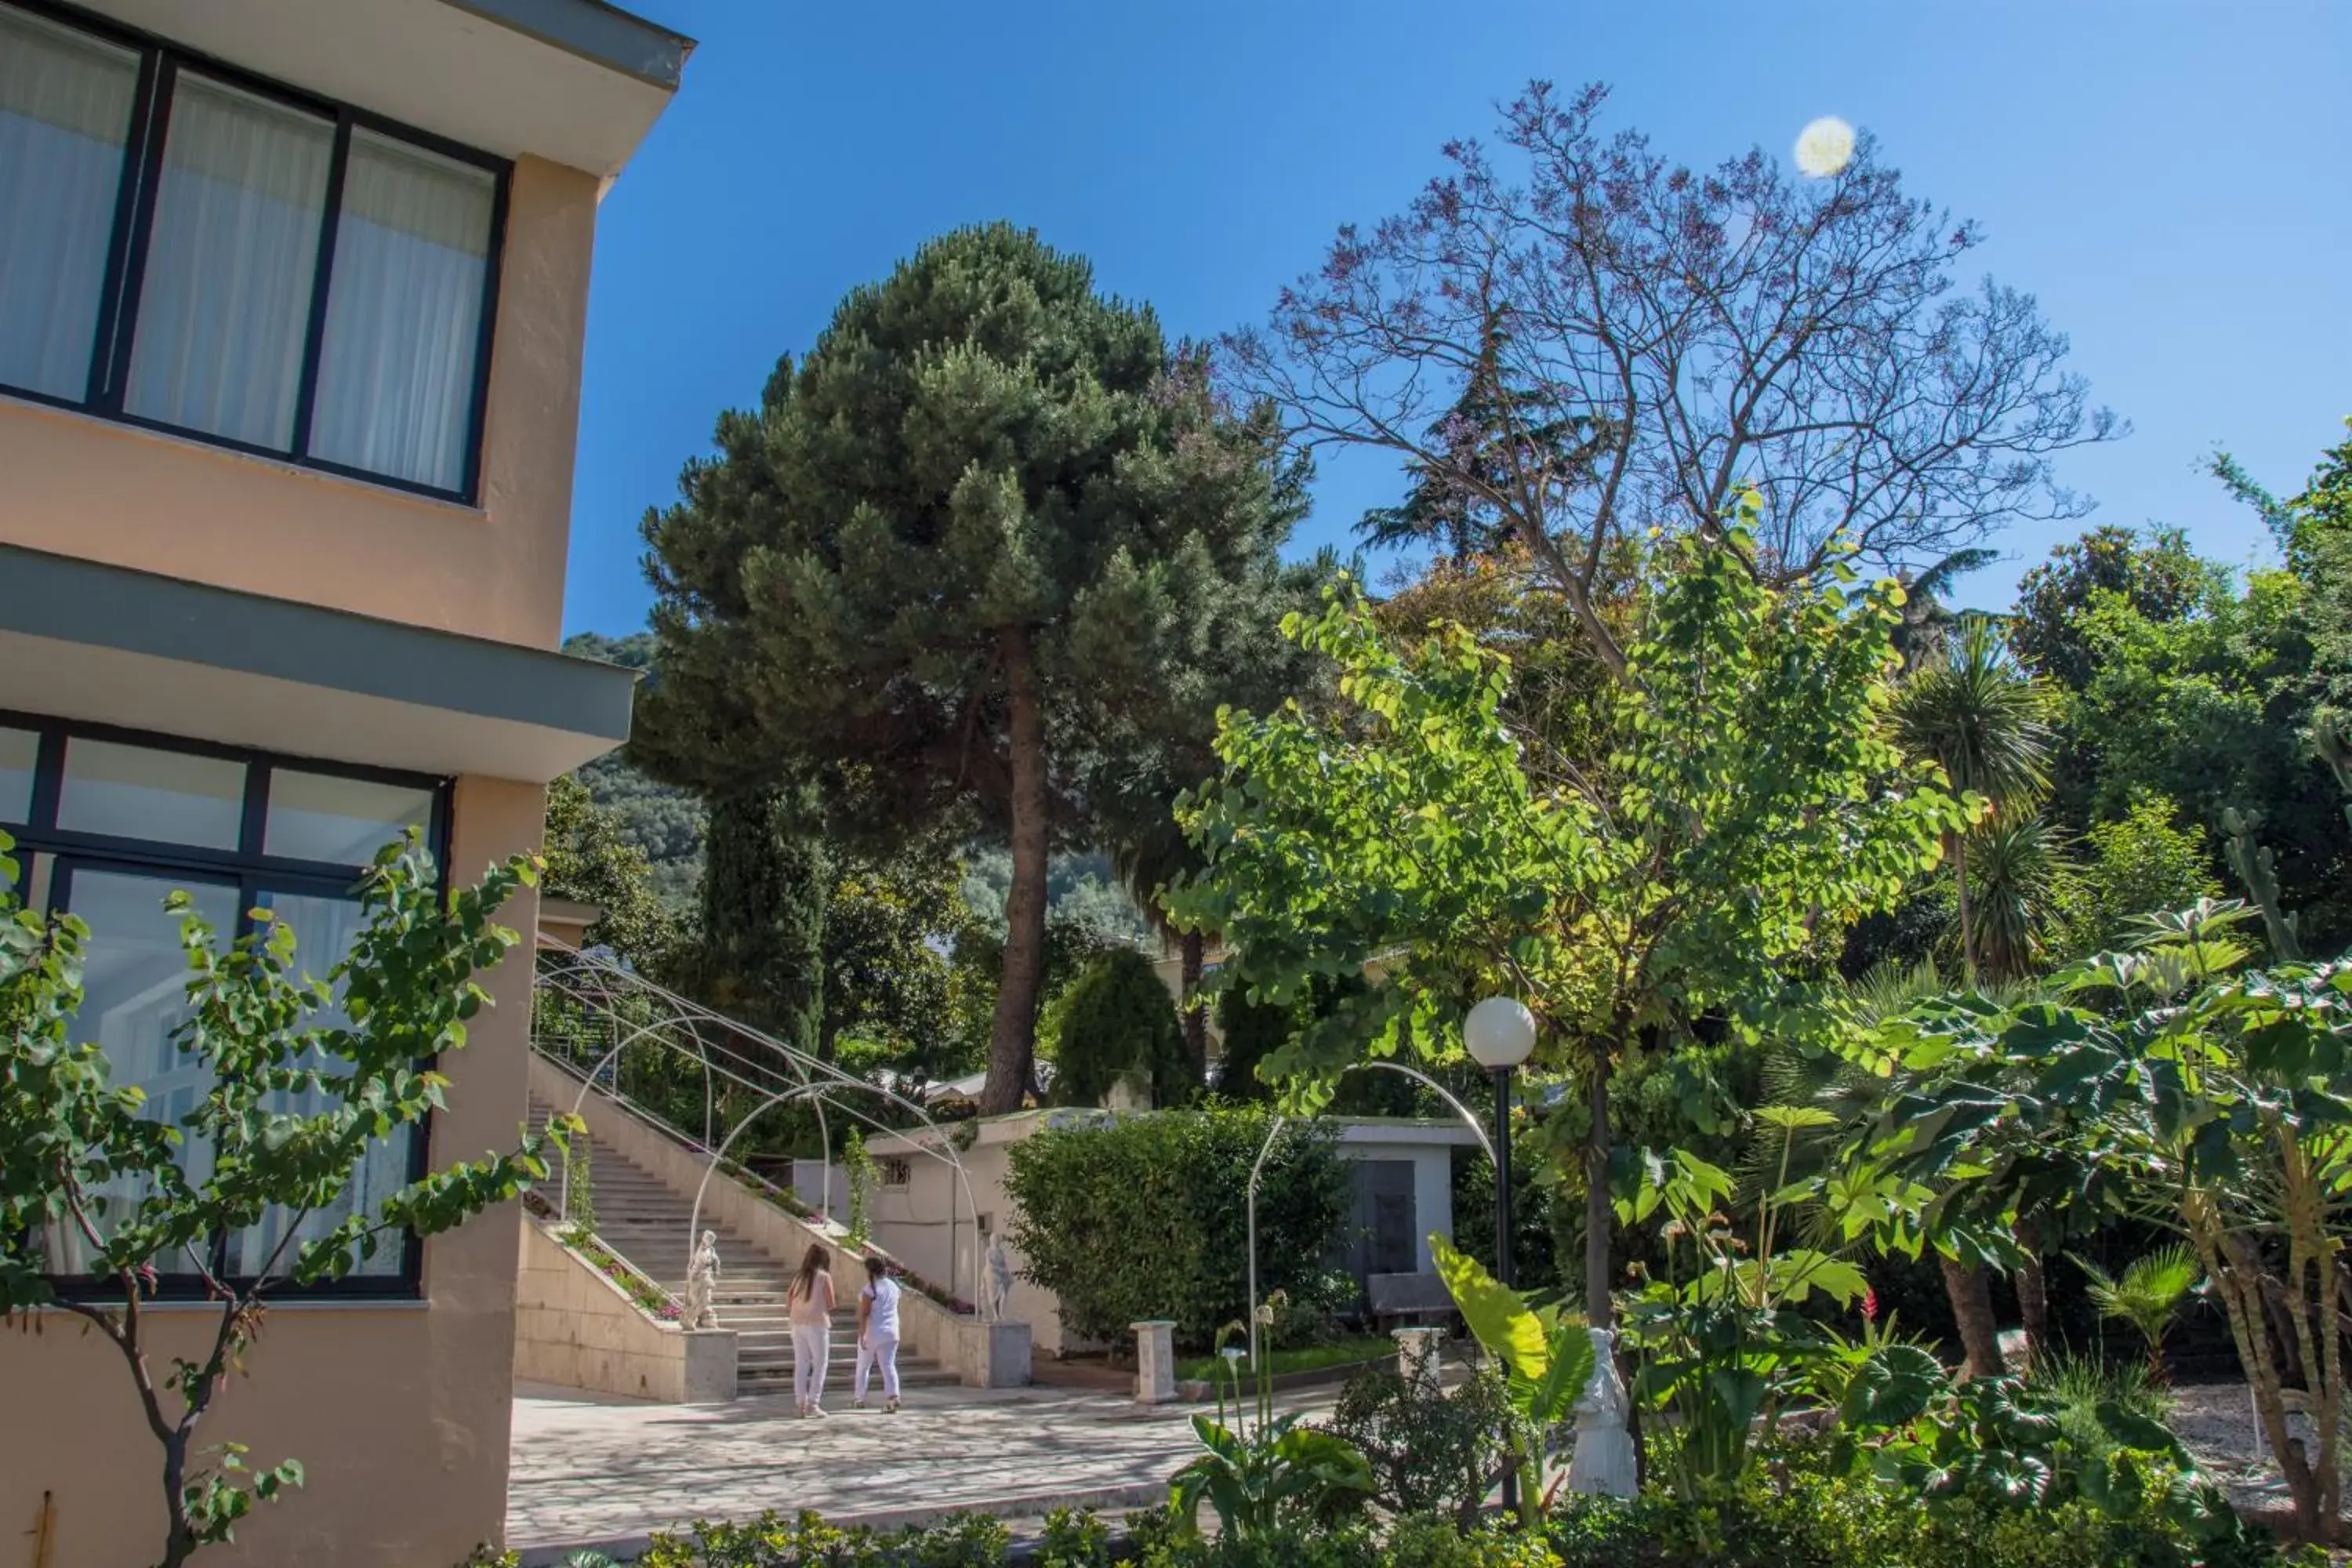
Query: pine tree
(1493, 437)
(977, 527)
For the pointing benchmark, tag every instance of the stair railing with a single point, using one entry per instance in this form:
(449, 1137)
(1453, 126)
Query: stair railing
(593, 982)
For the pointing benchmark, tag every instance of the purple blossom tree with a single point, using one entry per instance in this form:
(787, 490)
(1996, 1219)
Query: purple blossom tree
(1745, 326)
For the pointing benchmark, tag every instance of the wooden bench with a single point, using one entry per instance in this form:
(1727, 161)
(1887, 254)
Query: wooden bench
(1419, 1297)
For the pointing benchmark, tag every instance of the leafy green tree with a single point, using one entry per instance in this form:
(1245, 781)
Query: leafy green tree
(888, 929)
(2143, 860)
(589, 858)
(988, 512)
(302, 1087)
(1982, 721)
(1119, 1019)
(2161, 579)
(1755, 795)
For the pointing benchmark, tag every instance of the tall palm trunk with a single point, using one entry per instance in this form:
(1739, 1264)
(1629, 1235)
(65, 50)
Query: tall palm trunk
(1196, 1013)
(1968, 926)
(1967, 1286)
(1598, 1213)
(1012, 1039)
(2033, 1293)
(1969, 1289)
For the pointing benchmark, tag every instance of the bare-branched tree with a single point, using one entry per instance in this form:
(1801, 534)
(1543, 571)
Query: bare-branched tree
(1740, 327)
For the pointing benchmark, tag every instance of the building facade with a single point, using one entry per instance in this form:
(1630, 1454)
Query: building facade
(293, 298)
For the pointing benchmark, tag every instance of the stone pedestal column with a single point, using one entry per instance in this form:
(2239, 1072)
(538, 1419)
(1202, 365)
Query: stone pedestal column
(993, 1355)
(1417, 1354)
(1155, 1361)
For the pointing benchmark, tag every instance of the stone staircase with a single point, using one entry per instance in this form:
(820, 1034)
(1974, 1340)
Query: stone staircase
(641, 1219)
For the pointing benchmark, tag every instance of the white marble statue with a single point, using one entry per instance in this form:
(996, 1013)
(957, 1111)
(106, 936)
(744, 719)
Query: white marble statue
(1000, 1278)
(702, 1284)
(1602, 1462)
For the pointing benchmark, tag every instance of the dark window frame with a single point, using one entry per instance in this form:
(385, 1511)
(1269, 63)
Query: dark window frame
(160, 63)
(254, 875)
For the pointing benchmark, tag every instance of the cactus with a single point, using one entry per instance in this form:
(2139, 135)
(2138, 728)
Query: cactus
(2257, 868)
(2327, 740)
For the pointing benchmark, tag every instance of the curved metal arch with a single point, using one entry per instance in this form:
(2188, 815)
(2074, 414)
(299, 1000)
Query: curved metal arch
(1257, 1167)
(808, 1069)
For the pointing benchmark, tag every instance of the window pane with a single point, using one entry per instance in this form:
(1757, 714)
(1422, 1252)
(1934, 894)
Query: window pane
(404, 311)
(226, 293)
(19, 751)
(168, 797)
(323, 931)
(134, 992)
(65, 113)
(314, 816)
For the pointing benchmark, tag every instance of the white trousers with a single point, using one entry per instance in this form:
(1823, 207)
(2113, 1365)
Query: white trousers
(876, 1351)
(812, 1346)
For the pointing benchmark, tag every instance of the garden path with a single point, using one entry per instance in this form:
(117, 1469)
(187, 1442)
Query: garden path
(593, 1470)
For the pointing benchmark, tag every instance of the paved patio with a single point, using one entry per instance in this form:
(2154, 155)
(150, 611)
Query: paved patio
(592, 1470)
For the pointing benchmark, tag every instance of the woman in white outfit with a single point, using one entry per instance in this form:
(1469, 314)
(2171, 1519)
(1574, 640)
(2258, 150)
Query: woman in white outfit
(808, 1301)
(877, 1335)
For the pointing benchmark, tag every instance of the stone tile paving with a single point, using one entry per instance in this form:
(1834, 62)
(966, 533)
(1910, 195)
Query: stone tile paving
(592, 1470)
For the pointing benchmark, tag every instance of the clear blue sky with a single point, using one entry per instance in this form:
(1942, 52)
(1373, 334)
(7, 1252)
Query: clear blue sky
(2169, 176)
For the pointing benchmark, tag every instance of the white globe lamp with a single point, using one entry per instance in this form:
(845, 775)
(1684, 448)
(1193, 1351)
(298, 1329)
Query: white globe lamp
(1500, 1033)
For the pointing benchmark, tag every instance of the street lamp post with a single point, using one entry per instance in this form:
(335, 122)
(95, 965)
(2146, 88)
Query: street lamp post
(1500, 1034)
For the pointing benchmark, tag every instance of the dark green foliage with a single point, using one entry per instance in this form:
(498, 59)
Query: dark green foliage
(1141, 1217)
(889, 927)
(977, 529)
(1252, 1032)
(1798, 1510)
(771, 1541)
(1119, 1020)
(1430, 1452)
(758, 949)
(2181, 679)
(592, 858)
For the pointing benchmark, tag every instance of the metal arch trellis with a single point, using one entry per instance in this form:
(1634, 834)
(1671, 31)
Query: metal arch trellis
(1257, 1167)
(594, 981)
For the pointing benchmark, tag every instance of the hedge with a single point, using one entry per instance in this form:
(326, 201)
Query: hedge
(1143, 1217)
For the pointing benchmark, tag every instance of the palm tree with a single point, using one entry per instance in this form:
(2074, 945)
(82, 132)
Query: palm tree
(2021, 877)
(1985, 721)
(2148, 1295)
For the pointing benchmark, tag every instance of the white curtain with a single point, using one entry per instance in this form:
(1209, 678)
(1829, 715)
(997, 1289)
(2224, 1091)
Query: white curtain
(227, 295)
(404, 314)
(323, 930)
(65, 112)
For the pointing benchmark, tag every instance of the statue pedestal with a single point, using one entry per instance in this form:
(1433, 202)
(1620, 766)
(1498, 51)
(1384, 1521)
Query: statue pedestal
(1417, 1354)
(1155, 1361)
(995, 1355)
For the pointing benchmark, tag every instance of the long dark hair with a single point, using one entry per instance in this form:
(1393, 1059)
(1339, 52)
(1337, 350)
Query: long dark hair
(812, 1264)
(877, 1271)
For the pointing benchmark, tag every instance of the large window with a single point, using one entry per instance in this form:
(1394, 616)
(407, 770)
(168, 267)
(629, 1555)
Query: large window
(107, 824)
(184, 246)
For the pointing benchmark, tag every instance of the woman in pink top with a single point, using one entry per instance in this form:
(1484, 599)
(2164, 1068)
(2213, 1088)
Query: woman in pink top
(808, 1301)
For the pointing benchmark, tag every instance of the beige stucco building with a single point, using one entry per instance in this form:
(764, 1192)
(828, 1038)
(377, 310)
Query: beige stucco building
(293, 295)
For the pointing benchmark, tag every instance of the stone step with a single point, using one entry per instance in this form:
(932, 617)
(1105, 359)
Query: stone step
(642, 1219)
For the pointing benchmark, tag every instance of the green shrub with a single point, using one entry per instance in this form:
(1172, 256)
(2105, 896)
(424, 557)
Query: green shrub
(1074, 1540)
(771, 1541)
(1793, 1511)
(1117, 1019)
(1143, 1218)
(1430, 1452)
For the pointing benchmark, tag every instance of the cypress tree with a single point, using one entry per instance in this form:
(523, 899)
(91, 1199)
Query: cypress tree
(761, 957)
(974, 530)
